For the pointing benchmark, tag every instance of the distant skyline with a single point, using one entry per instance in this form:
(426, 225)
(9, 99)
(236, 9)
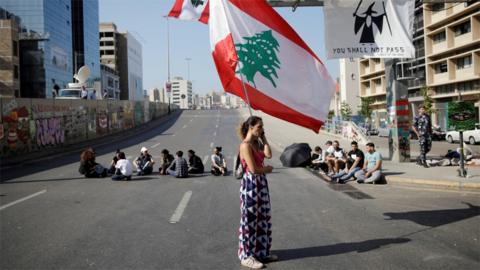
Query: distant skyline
(189, 39)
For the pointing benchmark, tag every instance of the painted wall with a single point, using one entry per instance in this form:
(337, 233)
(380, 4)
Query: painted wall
(28, 125)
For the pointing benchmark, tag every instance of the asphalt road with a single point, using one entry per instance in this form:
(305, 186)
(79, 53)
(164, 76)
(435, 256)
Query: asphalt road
(52, 218)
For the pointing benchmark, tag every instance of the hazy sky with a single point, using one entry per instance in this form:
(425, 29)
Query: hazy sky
(189, 39)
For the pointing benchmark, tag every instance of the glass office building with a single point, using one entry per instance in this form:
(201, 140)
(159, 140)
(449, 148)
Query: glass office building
(85, 29)
(45, 46)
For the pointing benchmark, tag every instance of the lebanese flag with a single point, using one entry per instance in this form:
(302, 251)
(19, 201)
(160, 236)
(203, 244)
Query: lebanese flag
(190, 10)
(283, 76)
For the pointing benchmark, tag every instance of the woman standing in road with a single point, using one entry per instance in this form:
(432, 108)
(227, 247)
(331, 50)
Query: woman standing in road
(255, 233)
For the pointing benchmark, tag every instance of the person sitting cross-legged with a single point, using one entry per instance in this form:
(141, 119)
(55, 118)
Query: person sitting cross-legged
(124, 168)
(372, 167)
(219, 165)
(355, 160)
(195, 164)
(318, 160)
(179, 167)
(167, 160)
(144, 162)
(336, 161)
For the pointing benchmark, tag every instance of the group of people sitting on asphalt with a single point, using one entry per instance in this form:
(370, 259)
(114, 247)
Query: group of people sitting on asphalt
(341, 166)
(122, 169)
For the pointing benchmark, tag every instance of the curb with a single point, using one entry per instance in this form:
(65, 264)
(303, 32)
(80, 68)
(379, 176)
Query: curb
(440, 184)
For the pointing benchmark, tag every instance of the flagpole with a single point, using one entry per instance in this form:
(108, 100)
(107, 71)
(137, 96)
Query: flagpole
(246, 94)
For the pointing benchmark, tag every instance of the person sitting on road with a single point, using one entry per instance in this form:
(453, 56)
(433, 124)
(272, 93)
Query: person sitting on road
(328, 150)
(195, 164)
(89, 167)
(372, 167)
(355, 162)
(124, 168)
(219, 165)
(167, 160)
(112, 168)
(336, 161)
(179, 167)
(318, 162)
(144, 163)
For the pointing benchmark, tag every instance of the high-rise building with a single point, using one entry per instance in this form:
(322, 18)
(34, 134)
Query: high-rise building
(9, 55)
(45, 44)
(349, 84)
(182, 93)
(123, 53)
(110, 82)
(85, 37)
(447, 61)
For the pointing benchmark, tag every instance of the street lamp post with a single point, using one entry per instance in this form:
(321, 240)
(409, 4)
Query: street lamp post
(188, 59)
(168, 84)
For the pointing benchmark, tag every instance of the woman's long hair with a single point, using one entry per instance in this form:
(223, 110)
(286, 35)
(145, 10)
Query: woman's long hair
(250, 122)
(86, 155)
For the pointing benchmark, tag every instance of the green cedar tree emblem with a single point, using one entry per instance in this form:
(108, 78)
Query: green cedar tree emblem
(259, 54)
(197, 3)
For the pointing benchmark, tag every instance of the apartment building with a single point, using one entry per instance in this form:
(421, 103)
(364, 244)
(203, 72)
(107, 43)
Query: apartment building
(9, 55)
(452, 51)
(182, 93)
(447, 61)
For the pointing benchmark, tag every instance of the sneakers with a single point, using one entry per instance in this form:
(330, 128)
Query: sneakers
(251, 262)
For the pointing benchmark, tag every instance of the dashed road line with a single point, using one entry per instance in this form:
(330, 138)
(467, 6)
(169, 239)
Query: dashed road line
(155, 145)
(205, 159)
(22, 199)
(177, 215)
(211, 145)
(184, 126)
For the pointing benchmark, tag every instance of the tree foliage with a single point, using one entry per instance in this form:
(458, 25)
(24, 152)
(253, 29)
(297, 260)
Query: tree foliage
(365, 109)
(346, 111)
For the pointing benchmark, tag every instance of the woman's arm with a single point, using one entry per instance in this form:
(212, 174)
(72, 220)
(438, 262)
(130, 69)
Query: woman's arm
(267, 151)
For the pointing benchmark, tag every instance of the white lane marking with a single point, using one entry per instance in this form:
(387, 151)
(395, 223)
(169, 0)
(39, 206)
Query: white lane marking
(155, 145)
(184, 126)
(215, 133)
(191, 120)
(173, 135)
(216, 126)
(205, 159)
(22, 199)
(211, 144)
(177, 215)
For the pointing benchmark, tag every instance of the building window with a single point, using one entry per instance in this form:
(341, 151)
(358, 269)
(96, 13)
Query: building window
(110, 82)
(464, 62)
(440, 37)
(376, 60)
(15, 48)
(445, 89)
(441, 67)
(465, 86)
(15, 71)
(438, 7)
(462, 29)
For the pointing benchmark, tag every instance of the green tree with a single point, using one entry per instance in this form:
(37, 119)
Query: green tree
(259, 54)
(331, 114)
(197, 3)
(346, 111)
(365, 109)
(427, 101)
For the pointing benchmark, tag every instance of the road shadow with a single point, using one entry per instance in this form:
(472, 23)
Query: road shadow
(48, 180)
(336, 249)
(103, 146)
(436, 218)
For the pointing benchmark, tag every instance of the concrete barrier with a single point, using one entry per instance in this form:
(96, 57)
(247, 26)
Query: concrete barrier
(29, 125)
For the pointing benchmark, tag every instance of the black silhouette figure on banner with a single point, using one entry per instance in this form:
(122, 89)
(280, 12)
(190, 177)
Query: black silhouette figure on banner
(367, 20)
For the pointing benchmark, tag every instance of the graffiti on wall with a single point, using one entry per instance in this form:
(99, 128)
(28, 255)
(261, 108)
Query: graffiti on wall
(49, 131)
(15, 129)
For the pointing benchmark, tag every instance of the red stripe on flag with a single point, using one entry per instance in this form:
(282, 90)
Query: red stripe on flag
(177, 9)
(402, 102)
(264, 13)
(205, 14)
(403, 112)
(226, 60)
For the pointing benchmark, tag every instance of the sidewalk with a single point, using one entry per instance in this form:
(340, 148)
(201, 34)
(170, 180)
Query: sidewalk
(395, 173)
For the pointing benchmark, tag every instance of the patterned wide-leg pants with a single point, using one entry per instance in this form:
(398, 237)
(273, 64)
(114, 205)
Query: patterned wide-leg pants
(255, 232)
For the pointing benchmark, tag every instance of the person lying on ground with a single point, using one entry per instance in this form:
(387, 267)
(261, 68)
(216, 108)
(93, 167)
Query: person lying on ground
(372, 167)
(219, 164)
(179, 167)
(167, 160)
(355, 160)
(144, 163)
(89, 167)
(195, 164)
(124, 168)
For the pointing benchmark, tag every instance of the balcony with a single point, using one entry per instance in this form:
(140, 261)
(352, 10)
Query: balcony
(463, 39)
(440, 78)
(439, 47)
(465, 73)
